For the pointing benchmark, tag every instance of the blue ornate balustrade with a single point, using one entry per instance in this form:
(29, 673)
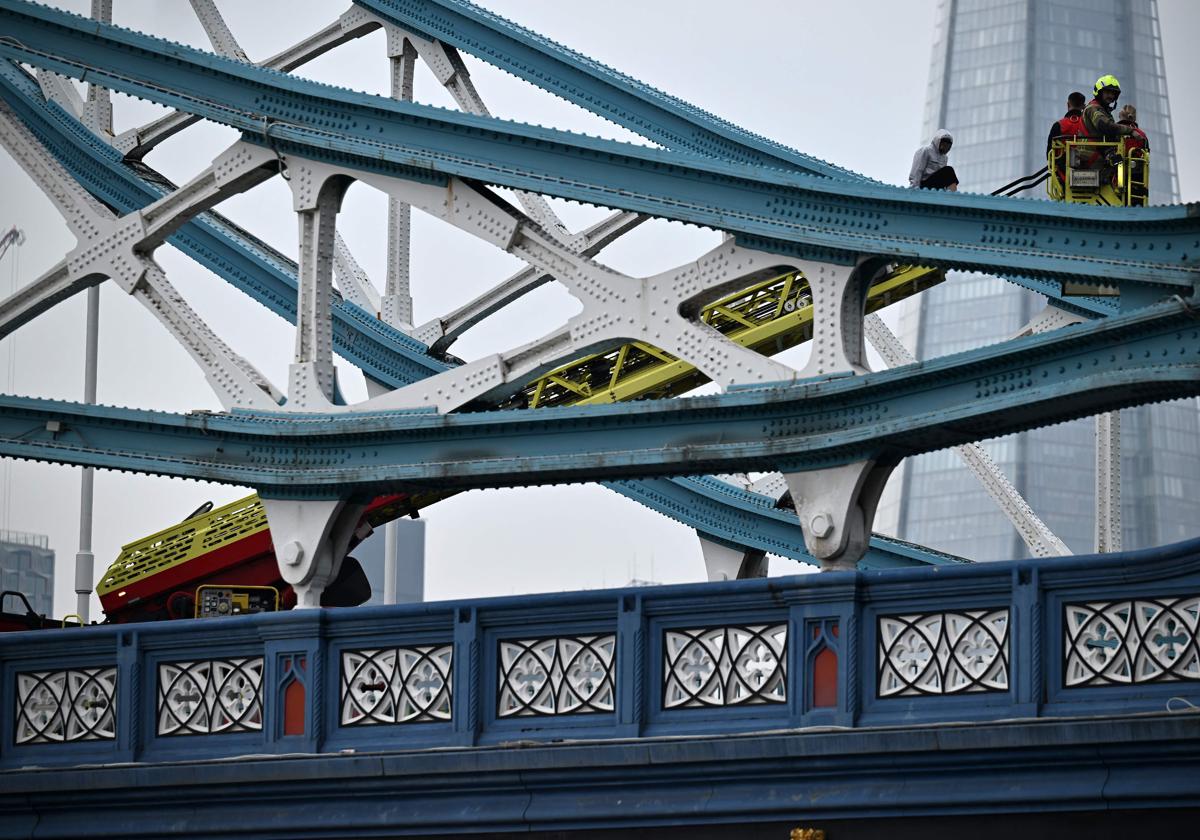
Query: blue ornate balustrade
(1117, 634)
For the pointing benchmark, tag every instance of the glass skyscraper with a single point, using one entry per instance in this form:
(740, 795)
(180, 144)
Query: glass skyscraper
(1001, 72)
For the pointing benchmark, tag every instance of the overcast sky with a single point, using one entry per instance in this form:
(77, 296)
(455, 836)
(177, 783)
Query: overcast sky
(841, 81)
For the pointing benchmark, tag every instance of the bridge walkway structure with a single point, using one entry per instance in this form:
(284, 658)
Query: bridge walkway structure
(1043, 690)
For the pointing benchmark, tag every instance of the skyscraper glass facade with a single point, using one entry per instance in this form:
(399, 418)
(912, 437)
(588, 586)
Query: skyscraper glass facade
(1000, 75)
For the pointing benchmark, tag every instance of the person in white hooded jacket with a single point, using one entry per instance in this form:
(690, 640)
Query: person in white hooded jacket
(929, 167)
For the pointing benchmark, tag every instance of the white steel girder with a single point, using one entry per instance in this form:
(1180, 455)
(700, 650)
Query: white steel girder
(839, 294)
(311, 539)
(451, 72)
(441, 332)
(218, 31)
(352, 280)
(616, 307)
(396, 307)
(725, 562)
(120, 247)
(59, 89)
(836, 507)
(312, 378)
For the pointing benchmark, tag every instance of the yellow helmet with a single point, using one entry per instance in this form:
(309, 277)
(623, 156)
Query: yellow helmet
(1108, 81)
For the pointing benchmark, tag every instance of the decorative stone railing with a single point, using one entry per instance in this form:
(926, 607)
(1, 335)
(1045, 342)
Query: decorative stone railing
(1047, 638)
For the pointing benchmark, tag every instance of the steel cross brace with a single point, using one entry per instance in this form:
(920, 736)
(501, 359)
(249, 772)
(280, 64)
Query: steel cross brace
(441, 332)
(121, 247)
(233, 254)
(136, 143)
(352, 280)
(615, 307)
(395, 307)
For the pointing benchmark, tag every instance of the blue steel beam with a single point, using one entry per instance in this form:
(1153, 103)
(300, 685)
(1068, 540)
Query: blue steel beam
(85, 156)
(751, 521)
(269, 278)
(1118, 362)
(618, 98)
(819, 217)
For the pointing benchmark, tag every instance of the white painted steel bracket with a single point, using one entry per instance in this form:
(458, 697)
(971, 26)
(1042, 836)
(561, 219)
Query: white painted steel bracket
(311, 539)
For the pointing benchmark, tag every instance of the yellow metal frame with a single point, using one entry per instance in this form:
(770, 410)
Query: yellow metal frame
(181, 543)
(767, 317)
(1106, 172)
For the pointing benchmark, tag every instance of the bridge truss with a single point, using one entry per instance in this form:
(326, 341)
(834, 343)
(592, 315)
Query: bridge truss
(799, 233)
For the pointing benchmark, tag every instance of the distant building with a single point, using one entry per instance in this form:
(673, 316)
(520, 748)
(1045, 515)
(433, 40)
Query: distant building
(27, 566)
(410, 562)
(1001, 73)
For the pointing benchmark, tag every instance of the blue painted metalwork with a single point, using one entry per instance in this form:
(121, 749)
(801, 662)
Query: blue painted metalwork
(281, 300)
(268, 277)
(751, 520)
(1052, 732)
(1113, 363)
(825, 218)
(651, 113)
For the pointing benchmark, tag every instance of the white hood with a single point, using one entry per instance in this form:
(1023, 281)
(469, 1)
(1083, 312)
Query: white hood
(937, 157)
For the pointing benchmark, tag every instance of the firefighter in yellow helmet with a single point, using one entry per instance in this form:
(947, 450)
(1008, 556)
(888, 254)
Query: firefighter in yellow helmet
(1098, 119)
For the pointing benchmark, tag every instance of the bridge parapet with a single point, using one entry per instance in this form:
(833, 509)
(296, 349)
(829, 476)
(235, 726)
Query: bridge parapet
(1101, 635)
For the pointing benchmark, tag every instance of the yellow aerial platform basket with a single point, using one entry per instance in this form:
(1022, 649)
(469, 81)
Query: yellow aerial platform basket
(1105, 172)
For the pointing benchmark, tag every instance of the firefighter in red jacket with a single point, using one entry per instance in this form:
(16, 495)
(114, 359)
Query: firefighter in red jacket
(1071, 125)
